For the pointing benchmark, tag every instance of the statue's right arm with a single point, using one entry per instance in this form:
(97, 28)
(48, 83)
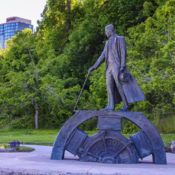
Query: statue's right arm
(99, 61)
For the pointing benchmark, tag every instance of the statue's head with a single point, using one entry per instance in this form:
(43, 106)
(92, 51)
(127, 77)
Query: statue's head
(109, 30)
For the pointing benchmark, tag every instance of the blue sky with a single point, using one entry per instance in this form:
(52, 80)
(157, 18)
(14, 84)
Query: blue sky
(29, 9)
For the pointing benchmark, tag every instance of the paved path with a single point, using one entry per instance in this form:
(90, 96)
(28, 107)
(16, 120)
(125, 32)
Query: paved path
(39, 163)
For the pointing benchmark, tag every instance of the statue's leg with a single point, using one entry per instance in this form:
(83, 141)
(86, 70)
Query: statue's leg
(110, 89)
(115, 73)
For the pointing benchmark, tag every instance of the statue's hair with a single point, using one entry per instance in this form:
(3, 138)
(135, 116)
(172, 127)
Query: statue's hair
(110, 27)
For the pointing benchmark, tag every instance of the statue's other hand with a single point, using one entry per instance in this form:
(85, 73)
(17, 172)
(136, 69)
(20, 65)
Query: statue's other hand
(90, 69)
(122, 69)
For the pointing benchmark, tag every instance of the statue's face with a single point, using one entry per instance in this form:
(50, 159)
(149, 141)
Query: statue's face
(108, 32)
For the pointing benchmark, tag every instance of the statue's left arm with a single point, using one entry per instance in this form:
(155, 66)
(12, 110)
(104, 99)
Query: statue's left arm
(123, 52)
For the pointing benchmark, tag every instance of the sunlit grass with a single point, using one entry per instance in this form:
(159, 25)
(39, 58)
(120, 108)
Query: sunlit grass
(48, 136)
(39, 137)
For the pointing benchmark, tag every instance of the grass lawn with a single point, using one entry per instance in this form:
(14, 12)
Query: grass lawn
(168, 138)
(47, 136)
(29, 136)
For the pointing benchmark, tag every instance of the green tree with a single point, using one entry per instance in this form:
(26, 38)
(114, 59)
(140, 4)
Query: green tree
(41, 75)
(19, 86)
(151, 56)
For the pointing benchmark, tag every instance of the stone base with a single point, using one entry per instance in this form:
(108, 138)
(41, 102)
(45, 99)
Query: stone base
(108, 145)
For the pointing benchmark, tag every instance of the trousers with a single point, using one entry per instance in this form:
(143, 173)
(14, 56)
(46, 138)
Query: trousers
(112, 74)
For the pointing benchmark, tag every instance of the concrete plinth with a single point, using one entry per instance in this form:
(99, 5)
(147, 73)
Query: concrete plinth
(39, 163)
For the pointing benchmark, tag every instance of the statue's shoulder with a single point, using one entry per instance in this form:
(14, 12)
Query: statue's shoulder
(119, 37)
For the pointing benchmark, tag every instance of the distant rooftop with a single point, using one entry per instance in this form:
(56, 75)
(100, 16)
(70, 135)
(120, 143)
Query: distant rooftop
(18, 19)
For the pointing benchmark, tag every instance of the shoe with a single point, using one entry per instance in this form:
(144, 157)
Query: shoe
(124, 109)
(107, 109)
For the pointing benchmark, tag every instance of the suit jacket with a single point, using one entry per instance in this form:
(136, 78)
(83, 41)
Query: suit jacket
(132, 90)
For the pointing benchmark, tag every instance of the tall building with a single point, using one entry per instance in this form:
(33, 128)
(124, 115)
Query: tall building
(13, 24)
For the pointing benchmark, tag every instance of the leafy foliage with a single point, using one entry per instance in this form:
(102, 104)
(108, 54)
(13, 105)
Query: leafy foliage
(42, 74)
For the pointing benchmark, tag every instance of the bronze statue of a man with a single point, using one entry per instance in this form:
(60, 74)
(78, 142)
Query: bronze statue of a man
(121, 85)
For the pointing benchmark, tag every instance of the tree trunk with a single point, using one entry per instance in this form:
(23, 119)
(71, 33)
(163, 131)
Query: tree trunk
(36, 106)
(36, 116)
(68, 6)
(68, 20)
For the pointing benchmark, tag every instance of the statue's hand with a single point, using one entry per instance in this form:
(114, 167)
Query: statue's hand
(122, 69)
(90, 69)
